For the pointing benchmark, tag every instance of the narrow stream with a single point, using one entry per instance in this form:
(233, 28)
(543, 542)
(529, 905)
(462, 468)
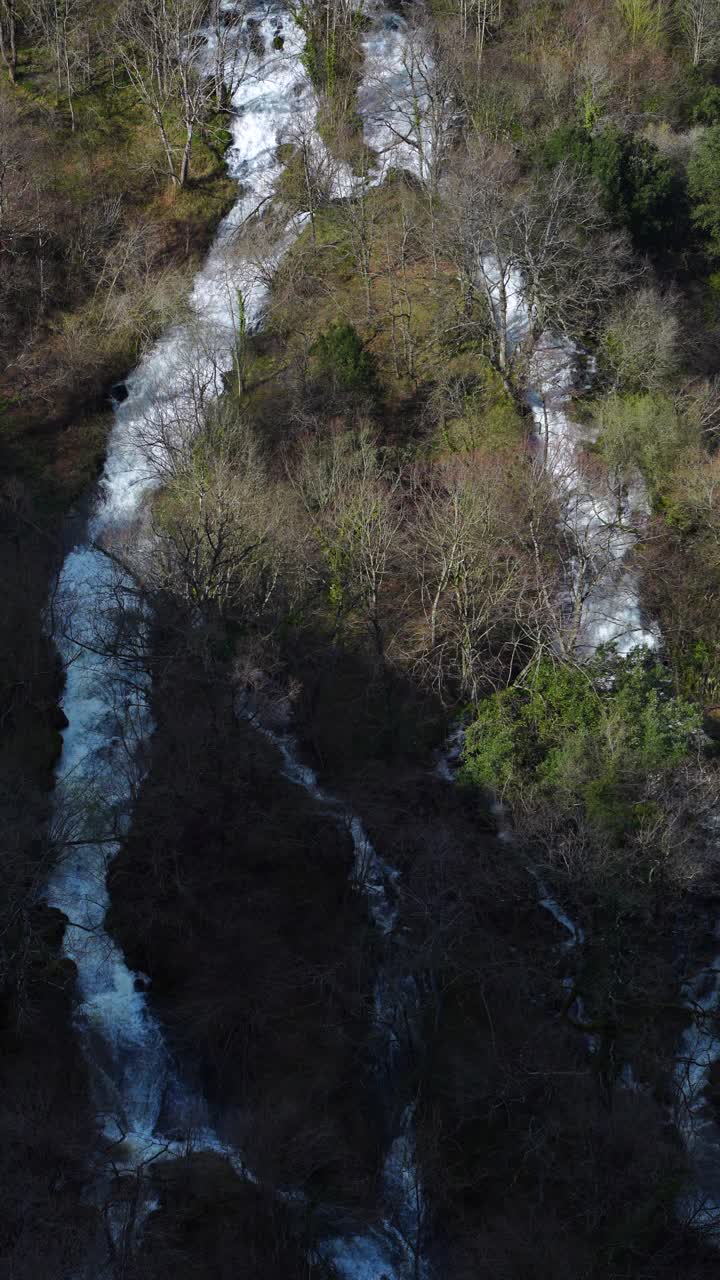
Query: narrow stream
(605, 597)
(395, 1247)
(603, 605)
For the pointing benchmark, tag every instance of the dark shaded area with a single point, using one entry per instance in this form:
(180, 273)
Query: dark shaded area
(234, 894)
(214, 1225)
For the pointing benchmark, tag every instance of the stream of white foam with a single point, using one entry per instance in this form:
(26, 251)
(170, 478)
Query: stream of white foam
(139, 1097)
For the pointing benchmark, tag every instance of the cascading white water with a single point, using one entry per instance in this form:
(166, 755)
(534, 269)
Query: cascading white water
(604, 602)
(374, 877)
(605, 531)
(143, 1108)
(396, 133)
(605, 597)
(392, 1249)
(138, 1095)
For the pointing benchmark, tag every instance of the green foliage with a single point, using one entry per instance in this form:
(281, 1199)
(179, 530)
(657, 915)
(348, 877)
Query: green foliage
(638, 347)
(330, 52)
(583, 739)
(644, 433)
(343, 360)
(704, 104)
(569, 142)
(638, 187)
(481, 413)
(700, 678)
(704, 189)
(643, 19)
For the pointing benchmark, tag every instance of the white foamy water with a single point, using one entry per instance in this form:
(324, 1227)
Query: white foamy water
(602, 605)
(603, 601)
(392, 1250)
(138, 1094)
(393, 97)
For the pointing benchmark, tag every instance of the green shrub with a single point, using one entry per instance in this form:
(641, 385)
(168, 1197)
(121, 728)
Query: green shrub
(643, 19)
(638, 185)
(642, 433)
(569, 142)
(704, 189)
(704, 107)
(583, 739)
(342, 360)
(481, 413)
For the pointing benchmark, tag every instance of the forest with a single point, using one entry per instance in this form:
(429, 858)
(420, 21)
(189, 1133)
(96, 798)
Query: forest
(360, 626)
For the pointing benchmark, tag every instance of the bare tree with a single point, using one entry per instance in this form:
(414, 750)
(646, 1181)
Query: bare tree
(357, 509)
(316, 170)
(639, 347)
(415, 110)
(474, 577)
(177, 416)
(571, 263)
(330, 28)
(8, 36)
(530, 255)
(232, 51)
(479, 18)
(161, 48)
(62, 23)
(360, 216)
(700, 20)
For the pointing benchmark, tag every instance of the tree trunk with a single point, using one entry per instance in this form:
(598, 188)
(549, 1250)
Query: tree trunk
(166, 147)
(69, 85)
(185, 166)
(308, 188)
(8, 39)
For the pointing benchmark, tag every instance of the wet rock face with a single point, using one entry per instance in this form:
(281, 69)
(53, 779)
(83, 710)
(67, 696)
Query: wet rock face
(49, 924)
(57, 718)
(255, 39)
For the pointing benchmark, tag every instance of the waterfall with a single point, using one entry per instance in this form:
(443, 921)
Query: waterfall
(392, 1250)
(603, 528)
(606, 529)
(142, 1106)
